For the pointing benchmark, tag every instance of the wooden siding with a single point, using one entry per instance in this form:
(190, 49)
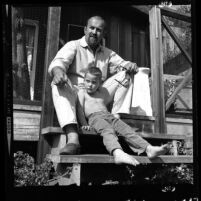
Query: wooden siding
(177, 126)
(126, 33)
(26, 122)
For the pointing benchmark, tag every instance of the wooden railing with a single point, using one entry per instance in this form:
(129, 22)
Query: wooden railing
(186, 18)
(156, 17)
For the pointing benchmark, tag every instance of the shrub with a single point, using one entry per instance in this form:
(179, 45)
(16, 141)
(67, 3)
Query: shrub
(27, 173)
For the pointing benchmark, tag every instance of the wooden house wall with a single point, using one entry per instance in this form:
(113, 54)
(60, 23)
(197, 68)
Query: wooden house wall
(127, 32)
(27, 115)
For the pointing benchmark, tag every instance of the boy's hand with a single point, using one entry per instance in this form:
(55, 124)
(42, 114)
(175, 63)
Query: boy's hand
(88, 128)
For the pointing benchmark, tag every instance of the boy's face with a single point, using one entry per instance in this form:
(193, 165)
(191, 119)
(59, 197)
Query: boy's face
(91, 83)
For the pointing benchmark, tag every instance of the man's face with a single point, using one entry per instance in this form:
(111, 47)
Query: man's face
(94, 31)
(91, 83)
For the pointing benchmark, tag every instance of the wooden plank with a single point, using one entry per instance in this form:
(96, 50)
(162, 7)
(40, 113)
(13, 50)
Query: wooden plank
(156, 56)
(142, 48)
(136, 117)
(176, 40)
(58, 130)
(127, 42)
(136, 45)
(96, 158)
(185, 105)
(175, 14)
(66, 179)
(27, 107)
(179, 120)
(114, 34)
(26, 124)
(179, 88)
(52, 43)
(27, 102)
(25, 136)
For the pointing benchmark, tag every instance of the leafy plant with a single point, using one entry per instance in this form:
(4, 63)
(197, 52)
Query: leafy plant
(27, 173)
(165, 174)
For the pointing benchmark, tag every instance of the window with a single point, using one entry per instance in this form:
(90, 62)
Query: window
(25, 43)
(31, 31)
(77, 31)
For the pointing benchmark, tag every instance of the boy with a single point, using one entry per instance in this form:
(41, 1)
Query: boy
(94, 99)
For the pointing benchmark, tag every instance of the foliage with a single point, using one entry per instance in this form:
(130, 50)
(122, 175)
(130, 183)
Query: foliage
(169, 87)
(162, 174)
(183, 31)
(165, 174)
(27, 173)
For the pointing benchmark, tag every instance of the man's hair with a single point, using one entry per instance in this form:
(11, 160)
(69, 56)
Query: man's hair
(97, 17)
(94, 71)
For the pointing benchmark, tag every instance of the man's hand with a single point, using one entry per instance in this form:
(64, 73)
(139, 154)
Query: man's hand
(60, 77)
(132, 67)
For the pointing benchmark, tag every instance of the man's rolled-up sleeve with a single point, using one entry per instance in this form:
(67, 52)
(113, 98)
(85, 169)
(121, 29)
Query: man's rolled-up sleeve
(64, 57)
(116, 63)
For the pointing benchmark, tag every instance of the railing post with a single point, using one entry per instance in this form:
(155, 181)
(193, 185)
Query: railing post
(156, 53)
(52, 42)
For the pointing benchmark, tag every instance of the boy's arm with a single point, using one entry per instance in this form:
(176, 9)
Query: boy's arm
(80, 112)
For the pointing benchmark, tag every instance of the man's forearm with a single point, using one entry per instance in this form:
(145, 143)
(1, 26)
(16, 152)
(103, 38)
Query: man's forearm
(57, 69)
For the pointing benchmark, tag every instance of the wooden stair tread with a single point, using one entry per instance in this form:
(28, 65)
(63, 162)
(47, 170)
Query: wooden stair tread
(57, 130)
(103, 158)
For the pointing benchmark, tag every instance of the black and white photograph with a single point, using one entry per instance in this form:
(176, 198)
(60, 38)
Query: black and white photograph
(100, 101)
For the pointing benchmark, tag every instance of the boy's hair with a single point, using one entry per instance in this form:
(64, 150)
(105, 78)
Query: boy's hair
(94, 71)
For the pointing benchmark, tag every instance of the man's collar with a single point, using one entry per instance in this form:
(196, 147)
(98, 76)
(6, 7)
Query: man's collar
(83, 43)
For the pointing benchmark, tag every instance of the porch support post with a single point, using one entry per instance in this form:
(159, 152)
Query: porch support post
(52, 42)
(156, 53)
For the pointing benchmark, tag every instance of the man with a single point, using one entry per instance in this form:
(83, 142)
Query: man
(68, 69)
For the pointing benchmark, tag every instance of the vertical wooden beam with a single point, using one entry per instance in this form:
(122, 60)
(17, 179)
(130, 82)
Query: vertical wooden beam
(156, 53)
(70, 174)
(114, 34)
(142, 48)
(127, 43)
(52, 42)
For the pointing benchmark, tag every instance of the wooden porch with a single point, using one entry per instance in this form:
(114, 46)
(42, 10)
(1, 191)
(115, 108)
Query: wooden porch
(159, 128)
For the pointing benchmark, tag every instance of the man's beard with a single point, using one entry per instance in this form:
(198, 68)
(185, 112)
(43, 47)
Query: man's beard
(93, 40)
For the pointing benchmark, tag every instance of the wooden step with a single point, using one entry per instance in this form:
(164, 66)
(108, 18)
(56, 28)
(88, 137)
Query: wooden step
(100, 158)
(69, 166)
(58, 130)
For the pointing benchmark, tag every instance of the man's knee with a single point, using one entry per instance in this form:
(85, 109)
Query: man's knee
(70, 128)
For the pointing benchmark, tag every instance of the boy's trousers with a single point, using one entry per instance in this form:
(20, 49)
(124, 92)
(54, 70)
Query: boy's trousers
(110, 128)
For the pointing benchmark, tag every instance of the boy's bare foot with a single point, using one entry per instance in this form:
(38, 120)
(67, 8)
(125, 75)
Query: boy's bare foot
(120, 157)
(154, 151)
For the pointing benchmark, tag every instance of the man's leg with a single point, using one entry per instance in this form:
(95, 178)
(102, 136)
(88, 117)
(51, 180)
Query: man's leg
(117, 86)
(72, 146)
(64, 99)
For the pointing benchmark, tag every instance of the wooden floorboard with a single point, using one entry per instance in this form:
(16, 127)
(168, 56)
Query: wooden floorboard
(57, 130)
(100, 158)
